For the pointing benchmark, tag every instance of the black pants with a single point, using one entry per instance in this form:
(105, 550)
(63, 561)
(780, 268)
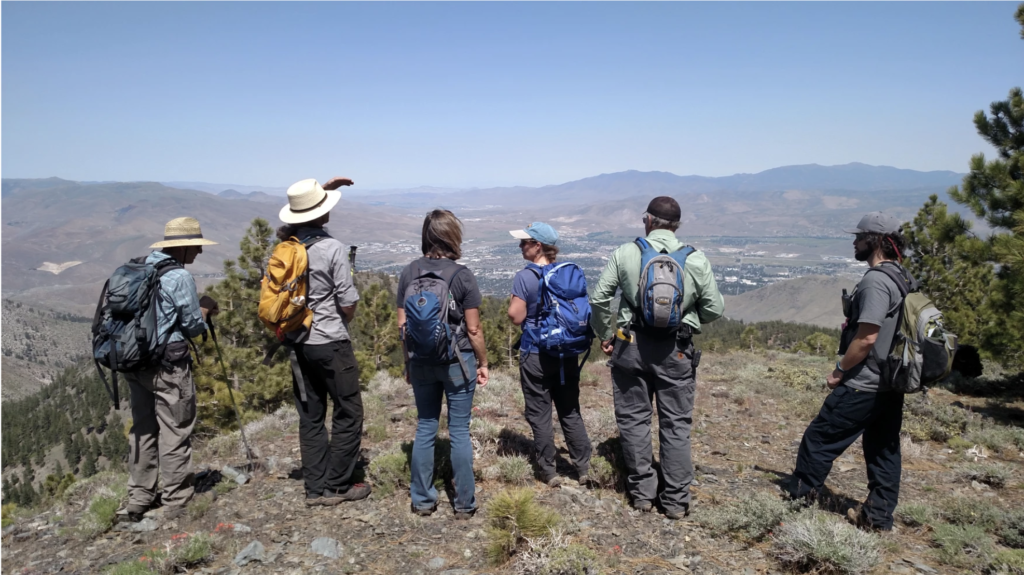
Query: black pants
(846, 414)
(540, 376)
(329, 370)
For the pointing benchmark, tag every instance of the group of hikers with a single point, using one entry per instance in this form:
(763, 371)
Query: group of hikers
(667, 289)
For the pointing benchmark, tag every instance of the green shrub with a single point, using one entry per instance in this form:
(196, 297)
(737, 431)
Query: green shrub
(513, 517)
(604, 472)
(1012, 532)
(196, 549)
(963, 546)
(1010, 562)
(515, 469)
(376, 432)
(100, 518)
(571, 560)
(990, 474)
(199, 506)
(998, 438)
(958, 443)
(387, 472)
(821, 542)
(915, 515)
(7, 514)
(225, 486)
(750, 517)
(925, 420)
(483, 430)
(968, 511)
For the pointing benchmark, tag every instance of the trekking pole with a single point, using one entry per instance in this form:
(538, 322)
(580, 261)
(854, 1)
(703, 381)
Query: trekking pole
(227, 382)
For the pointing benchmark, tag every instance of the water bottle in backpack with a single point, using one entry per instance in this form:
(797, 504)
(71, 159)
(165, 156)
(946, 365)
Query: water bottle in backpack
(661, 289)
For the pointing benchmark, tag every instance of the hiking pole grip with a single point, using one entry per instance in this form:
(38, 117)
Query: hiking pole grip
(352, 259)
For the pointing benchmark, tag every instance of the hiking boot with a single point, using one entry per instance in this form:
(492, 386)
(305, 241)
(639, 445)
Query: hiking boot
(554, 481)
(354, 493)
(464, 515)
(587, 481)
(314, 500)
(174, 512)
(859, 518)
(677, 514)
(130, 514)
(643, 506)
(423, 511)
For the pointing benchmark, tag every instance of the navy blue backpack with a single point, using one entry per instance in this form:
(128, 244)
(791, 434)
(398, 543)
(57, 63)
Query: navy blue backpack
(660, 293)
(428, 335)
(564, 325)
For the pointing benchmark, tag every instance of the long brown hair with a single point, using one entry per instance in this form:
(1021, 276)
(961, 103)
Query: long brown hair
(442, 235)
(550, 252)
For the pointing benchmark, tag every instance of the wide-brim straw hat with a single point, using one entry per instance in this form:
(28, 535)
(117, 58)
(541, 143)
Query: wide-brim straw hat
(307, 201)
(183, 232)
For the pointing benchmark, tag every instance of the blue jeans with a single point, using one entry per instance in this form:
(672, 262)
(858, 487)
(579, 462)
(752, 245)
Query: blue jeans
(429, 382)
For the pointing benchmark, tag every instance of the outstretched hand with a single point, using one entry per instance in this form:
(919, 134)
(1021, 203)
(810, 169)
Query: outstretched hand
(335, 183)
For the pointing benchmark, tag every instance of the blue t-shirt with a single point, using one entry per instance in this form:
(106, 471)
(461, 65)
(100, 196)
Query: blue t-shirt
(525, 286)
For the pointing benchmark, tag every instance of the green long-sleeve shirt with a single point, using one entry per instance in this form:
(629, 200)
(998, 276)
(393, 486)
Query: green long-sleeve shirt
(701, 299)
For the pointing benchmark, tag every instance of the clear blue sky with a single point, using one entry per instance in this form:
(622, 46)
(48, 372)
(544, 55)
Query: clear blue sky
(466, 94)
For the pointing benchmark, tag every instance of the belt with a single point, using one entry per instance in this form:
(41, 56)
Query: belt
(621, 335)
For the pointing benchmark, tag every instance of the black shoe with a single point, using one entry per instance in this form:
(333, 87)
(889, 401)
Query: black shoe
(354, 493)
(423, 511)
(643, 506)
(314, 500)
(677, 514)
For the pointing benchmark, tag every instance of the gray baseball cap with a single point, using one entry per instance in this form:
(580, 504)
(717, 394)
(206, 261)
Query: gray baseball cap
(877, 223)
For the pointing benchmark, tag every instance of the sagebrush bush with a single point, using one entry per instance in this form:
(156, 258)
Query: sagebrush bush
(573, 559)
(1012, 531)
(483, 430)
(387, 472)
(960, 510)
(990, 474)
(915, 514)
(963, 546)
(100, 518)
(998, 437)
(603, 472)
(376, 432)
(925, 420)
(750, 517)
(515, 469)
(513, 517)
(196, 549)
(1007, 562)
(821, 542)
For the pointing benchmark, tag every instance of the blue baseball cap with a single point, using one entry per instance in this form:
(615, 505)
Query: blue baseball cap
(539, 231)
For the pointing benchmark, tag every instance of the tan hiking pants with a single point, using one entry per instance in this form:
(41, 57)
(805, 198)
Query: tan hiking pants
(163, 414)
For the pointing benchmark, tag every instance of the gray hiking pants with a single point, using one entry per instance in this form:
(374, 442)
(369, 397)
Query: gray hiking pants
(163, 414)
(643, 370)
(540, 376)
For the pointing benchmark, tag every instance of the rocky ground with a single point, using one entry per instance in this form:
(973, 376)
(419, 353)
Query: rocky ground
(961, 455)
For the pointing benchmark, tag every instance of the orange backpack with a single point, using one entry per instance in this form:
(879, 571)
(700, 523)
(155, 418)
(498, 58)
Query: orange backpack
(284, 288)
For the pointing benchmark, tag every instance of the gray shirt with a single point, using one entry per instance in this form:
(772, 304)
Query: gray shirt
(330, 289)
(876, 300)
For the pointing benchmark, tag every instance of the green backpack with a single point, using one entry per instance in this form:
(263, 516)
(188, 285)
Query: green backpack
(922, 349)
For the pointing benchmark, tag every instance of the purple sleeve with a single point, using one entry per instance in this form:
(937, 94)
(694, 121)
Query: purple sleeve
(521, 287)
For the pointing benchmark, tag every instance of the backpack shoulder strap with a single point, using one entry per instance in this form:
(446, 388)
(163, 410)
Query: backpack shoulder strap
(98, 316)
(903, 283)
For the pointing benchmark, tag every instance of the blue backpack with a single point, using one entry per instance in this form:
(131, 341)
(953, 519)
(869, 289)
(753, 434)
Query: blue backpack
(660, 293)
(564, 325)
(428, 335)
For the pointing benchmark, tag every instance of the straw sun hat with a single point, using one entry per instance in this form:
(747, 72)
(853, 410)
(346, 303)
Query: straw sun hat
(307, 201)
(183, 232)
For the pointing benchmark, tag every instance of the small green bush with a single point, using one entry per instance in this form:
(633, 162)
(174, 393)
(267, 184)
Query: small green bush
(998, 438)
(925, 420)
(376, 432)
(196, 549)
(1009, 562)
(915, 515)
(515, 469)
(958, 443)
(387, 472)
(225, 486)
(7, 513)
(750, 517)
(573, 559)
(1012, 532)
(102, 510)
(513, 517)
(199, 506)
(821, 542)
(994, 475)
(966, 511)
(963, 546)
(604, 472)
(483, 430)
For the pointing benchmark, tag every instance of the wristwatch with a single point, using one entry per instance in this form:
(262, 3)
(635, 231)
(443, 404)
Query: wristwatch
(839, 367)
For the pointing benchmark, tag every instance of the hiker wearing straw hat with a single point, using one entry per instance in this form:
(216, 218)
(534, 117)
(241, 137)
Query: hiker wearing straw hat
(163, 401)
(324, 364)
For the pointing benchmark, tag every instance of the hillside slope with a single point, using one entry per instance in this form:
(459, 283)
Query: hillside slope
(36, 343)
(813, 300)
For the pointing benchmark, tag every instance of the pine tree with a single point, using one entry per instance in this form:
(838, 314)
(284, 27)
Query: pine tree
(947, 258)
(375, 330)
(751, 336)
(94, 447)
(58, 470)
(89, 465)
(994, 190)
